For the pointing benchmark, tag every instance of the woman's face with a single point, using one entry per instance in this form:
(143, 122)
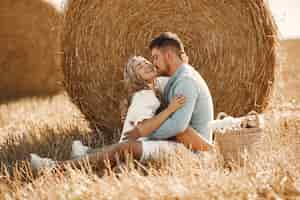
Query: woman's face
(146, 71)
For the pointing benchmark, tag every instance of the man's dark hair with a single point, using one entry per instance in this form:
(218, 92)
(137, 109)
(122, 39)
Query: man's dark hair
(167, 39)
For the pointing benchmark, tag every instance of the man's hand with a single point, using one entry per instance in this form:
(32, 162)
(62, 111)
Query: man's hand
(132, 135)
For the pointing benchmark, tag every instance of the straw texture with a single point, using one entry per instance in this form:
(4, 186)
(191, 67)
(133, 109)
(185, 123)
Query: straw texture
(290, 126)
(30, 59)
(231, 43)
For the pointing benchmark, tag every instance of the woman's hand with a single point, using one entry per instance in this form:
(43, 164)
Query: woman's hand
(176, 103)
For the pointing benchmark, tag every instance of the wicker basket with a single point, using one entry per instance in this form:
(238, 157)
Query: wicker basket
(234, 144)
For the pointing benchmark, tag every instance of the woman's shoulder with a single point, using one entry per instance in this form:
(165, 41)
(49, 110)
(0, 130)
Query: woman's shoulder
(145, 99)
(144, 95)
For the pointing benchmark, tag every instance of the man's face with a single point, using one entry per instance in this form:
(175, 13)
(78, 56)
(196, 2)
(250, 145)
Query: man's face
(160, 62)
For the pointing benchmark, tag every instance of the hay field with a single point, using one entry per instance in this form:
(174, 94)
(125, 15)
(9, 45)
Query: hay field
(47, 127)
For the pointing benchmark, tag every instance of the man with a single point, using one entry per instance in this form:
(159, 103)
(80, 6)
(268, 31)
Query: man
(169, 58)
(167, 50)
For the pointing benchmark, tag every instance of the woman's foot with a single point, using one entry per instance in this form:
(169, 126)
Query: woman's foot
(78, 149)
(38, 162)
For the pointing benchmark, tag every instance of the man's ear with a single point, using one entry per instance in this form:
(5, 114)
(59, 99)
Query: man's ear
(168, 55)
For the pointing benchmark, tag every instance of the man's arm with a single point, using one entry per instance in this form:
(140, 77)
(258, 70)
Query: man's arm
(180, 120)
(152, 124)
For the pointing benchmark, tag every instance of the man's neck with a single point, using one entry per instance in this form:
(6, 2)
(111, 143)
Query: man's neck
(174, 67)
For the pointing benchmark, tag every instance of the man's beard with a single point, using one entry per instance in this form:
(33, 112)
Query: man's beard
(166, 70)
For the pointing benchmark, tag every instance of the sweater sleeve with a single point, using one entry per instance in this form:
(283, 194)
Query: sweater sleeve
(180, 120)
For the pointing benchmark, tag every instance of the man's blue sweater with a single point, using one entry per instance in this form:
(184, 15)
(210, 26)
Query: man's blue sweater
(197, 110)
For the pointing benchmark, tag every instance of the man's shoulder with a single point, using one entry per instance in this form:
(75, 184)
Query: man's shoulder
(188, 72)
(187, 77)
(186, 84)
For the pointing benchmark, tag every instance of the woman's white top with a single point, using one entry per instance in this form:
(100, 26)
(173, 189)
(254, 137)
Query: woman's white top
(144, 105)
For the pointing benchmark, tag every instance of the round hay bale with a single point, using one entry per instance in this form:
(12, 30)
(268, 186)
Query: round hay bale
(231, 43)
(30, 50)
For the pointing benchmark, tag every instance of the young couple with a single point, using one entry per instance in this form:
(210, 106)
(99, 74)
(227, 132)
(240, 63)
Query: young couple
(169, 81)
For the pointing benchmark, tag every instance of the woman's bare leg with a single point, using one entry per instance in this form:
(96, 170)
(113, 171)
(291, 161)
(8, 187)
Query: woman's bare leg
(113, 154)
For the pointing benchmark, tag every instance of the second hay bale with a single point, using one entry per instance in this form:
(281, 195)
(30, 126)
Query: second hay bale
(30, 59)
(232, 44)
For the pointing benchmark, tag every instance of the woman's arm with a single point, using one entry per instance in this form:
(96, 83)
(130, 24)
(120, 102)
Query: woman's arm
(193, 140)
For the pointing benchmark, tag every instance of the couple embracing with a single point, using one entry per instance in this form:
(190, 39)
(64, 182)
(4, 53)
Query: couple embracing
(170, 105)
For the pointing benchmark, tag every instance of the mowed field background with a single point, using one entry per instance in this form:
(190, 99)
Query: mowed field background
(290, 70)
(47, 126)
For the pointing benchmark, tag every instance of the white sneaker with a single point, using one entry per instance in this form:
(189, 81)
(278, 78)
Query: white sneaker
(38, 162)
(78, 149)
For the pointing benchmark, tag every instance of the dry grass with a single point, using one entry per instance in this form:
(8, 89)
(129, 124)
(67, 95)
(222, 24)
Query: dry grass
(45, 126)
(185, 176)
